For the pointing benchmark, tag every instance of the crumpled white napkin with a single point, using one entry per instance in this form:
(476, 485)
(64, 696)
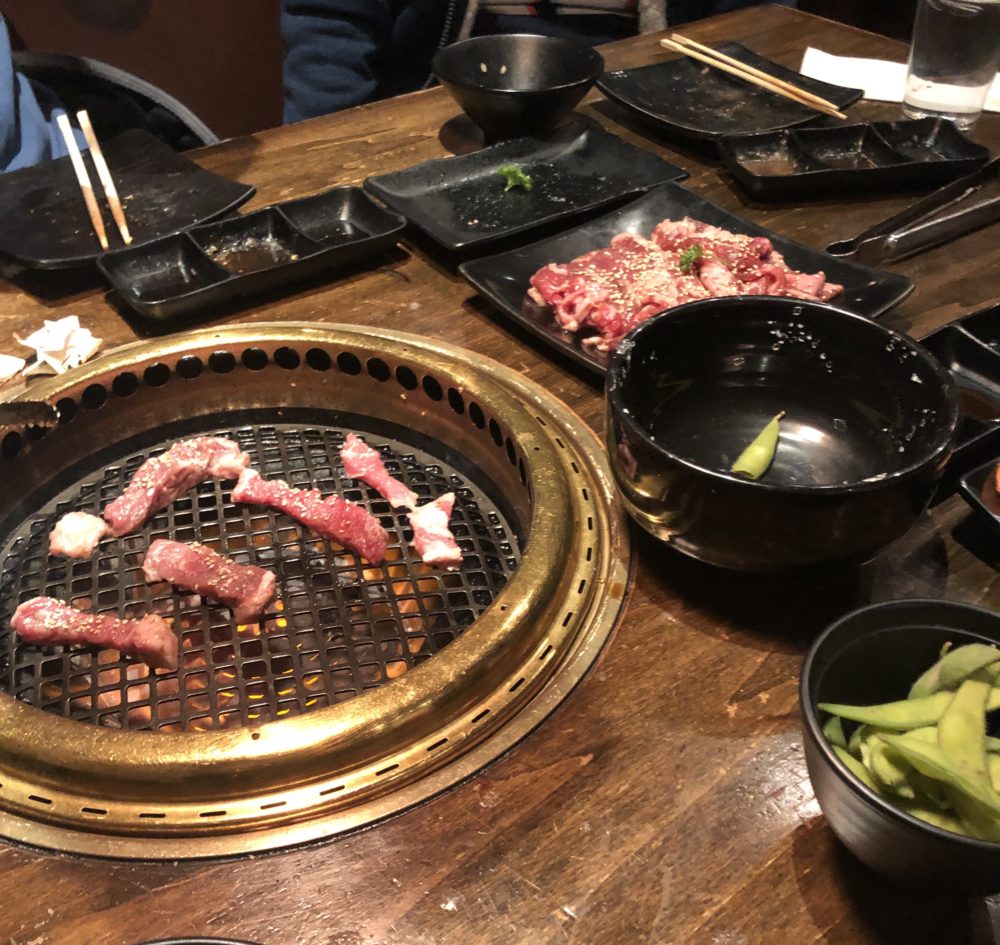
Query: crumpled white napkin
(58, 346)
(881, 80)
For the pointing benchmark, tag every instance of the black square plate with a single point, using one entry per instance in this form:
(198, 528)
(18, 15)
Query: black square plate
(978, 488)
(219, 262)
(876, 156)
(685, 97)
(44, 222)
(504, 278)
(460, 202)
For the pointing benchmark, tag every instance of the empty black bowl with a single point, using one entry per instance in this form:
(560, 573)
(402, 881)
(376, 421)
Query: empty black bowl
(516, 85)
(871, 656)
(868, 428)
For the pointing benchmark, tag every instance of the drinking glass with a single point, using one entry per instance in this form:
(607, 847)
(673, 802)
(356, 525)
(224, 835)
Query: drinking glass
(953, 59)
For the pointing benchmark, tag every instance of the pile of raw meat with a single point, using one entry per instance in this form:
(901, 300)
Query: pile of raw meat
(247, 589)
(604, 293)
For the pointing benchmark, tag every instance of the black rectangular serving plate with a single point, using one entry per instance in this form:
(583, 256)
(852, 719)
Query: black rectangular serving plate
(875, 156)
(219, 262)
(685, 97)
(504, 278)
(44, 222)
(968, 348)
(460, 202)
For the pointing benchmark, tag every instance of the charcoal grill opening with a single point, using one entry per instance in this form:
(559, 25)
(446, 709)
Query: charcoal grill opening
(363, 689)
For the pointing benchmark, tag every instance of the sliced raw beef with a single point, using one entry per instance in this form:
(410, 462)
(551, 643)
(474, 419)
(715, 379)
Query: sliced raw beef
(161, 480)
(245, 588)
(345, 522)
(77, 534)
(431, 536)
(363, 463)
(50, 622)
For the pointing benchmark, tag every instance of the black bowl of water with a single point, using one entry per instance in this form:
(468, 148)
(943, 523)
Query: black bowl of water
(868, 427)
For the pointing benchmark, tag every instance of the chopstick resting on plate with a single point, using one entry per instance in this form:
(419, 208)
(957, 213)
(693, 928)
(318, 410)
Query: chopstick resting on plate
(741, 70)
(103, 174)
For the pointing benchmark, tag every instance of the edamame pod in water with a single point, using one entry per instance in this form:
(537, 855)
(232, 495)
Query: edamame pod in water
(756, 459)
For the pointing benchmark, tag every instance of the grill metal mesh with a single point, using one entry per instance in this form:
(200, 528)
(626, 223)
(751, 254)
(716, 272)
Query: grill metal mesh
(340, 625)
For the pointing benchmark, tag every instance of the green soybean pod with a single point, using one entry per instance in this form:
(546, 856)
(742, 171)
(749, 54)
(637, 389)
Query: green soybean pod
(937, 818)
(756, 459)
(903, 715)
(856, 768)
(833, 731)
(953, 667)
(962, 731)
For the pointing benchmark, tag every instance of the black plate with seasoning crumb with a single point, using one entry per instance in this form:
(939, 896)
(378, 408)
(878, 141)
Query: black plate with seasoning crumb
(685, 97)
(462, 203)
(875, 156)
(44, 222)
(504, 278)
(219, 262)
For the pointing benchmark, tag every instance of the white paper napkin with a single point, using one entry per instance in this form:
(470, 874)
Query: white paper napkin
(881, 80)
(59, 346)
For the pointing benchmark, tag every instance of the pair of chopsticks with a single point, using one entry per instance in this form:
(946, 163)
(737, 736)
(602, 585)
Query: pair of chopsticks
(741, 70)
(83, 178)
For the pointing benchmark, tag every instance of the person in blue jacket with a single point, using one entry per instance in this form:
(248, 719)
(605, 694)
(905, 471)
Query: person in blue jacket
(340, 53)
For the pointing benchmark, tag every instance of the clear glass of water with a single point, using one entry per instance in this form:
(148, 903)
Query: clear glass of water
(953, 59)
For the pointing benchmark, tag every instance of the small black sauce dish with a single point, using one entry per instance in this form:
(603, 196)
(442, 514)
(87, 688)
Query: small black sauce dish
(518, 84)
(870, 656)
(869, 421)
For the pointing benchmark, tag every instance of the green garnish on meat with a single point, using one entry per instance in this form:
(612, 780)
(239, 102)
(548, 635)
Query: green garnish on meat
(688, 257)
(514, 177)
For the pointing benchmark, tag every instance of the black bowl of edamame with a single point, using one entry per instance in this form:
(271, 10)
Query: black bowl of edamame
(867, 658)
(770, 434)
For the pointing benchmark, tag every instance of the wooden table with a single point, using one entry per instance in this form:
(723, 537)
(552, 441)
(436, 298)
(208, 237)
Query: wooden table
(667, 800)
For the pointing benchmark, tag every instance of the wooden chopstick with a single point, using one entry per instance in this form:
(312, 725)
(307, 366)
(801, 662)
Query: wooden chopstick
(110, 191)
(749, 74)
(83, 178)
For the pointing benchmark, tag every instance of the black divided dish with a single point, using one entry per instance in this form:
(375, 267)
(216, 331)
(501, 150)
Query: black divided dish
(876, 156)
(503, 279)
(868, 423)
(686, 98)
(217, 263)
(516, 84)
(460, 202)
(871, 656)
(44, 222)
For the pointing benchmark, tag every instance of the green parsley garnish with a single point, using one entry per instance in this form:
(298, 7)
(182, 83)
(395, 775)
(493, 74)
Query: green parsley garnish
(688, 257)
(514, 176)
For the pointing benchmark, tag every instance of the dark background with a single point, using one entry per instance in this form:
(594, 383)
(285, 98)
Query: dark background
(222, 58)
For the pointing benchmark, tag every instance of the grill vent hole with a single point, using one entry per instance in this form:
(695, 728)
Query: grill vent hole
(318, 359)
(385, 770)
(331, 790)
(212, 813)
(567, 618)
(189, 367)
(287, 358)
(432, 388)
(94, 396)
(516, 685)
(156, 375)
(150, 815)
(10, 446)
(222, 362)
(406, 377)
(254, 359)
(511, 455)
(437, 744)
(39, 800)
(124, 385)
(348, 363)
(273, 805)
(378, 369)
(495, 433)
(456, 401)
(522, 472)
(96, 811)
(255, 735)
(476, 415)
(66, 407)
(482, 715)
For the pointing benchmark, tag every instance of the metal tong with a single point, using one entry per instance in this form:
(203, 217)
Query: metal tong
(948, 213)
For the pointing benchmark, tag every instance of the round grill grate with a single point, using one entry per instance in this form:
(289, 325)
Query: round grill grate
(340, 626)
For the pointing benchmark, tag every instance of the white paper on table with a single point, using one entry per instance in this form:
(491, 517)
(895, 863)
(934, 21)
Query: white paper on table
(59, 346)
(881, 80)
(10, 367)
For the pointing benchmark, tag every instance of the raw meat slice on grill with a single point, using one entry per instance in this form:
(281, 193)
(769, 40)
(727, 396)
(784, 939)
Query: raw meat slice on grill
(162, 479)
(363, 463)
(345, 522)
(50, 622)
(77, 534)
(431, 536)
(245, 588)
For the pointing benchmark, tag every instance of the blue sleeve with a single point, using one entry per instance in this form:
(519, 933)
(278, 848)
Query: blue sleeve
(332, 48)
(28, 132)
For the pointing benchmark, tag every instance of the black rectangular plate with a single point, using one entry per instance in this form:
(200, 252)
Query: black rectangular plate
(503, 279)
(460, 202)
(870, 157)
(219, 262)
(978, 489)
(44, 222)
(685, 97)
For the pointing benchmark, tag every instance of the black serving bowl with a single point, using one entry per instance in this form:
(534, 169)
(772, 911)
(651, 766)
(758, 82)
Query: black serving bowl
(869, 421)
(873, 655)
(517, 85)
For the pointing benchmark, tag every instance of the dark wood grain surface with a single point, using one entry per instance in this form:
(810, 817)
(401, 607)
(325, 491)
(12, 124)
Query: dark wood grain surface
(667, 800)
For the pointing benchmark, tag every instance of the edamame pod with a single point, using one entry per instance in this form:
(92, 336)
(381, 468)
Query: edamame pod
(903, 715)
(833, 731)
(954, 666)
(962, 732)
(756, 459)
(857, 769)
